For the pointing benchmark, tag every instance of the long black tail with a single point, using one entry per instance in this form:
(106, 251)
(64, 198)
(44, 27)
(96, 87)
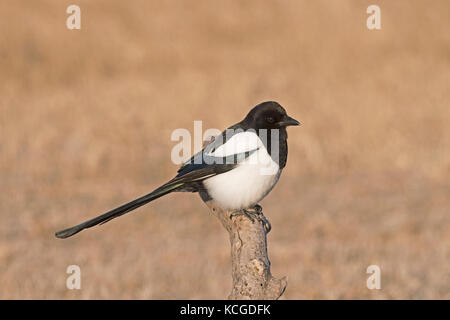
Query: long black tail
(161, 191)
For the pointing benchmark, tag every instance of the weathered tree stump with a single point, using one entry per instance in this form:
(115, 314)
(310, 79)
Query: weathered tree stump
(250, 263)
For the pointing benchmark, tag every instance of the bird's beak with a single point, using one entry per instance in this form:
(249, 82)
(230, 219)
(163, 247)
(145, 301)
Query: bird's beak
(288, 122)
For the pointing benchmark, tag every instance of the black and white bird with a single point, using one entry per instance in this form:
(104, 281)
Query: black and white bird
(237, 169)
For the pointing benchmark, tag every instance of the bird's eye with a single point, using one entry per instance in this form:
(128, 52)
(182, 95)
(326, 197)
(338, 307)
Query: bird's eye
(270, 120)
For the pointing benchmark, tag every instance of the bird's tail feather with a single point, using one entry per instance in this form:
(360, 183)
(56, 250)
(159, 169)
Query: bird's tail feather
(163, 190)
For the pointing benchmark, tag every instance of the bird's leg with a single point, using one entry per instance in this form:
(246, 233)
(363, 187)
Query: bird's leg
(262, 218)
(253, 214)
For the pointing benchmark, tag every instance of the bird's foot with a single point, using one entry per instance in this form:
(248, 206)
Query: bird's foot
(253, 214)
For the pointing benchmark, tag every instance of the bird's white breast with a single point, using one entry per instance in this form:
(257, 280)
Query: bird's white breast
(251, 180)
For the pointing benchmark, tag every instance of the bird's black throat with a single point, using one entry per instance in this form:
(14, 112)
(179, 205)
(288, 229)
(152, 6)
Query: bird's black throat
(278, 150)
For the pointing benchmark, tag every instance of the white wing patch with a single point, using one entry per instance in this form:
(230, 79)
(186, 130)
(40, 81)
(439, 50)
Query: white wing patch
(238, 143)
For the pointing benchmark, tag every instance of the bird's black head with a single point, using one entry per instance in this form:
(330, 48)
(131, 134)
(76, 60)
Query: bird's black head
(269, 115)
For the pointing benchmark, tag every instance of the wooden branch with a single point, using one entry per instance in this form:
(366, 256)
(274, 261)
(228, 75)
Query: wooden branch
(250, 263)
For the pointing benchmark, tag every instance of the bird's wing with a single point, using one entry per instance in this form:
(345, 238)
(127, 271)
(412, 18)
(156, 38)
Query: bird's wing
(214, 144)
(222, 155)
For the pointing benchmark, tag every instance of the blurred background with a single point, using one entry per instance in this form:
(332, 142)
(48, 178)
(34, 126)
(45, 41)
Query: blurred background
(86, 119)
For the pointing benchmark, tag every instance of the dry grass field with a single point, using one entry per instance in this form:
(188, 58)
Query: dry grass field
(86, 119)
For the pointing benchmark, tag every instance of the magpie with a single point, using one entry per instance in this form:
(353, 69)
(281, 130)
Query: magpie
(237, 169)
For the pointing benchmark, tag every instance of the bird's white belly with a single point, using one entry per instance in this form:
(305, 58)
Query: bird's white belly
(245, 185)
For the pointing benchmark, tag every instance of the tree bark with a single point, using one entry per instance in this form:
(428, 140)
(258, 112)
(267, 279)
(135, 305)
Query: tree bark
(250, 263)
